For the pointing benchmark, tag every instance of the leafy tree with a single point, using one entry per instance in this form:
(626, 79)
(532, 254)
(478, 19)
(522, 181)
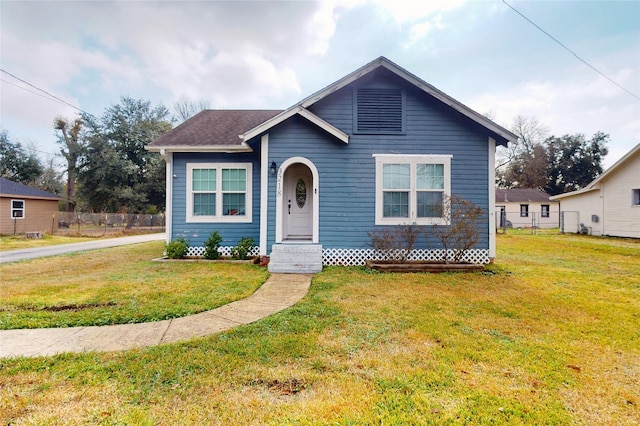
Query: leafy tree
(116, 172)
(574, 161)
(17, 163)
(72, 149)
(527, 170)
(50, 180)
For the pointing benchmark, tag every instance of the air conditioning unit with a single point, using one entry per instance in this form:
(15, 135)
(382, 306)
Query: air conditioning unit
(594, 218)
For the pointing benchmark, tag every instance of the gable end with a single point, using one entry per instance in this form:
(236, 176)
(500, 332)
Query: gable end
(379, 111)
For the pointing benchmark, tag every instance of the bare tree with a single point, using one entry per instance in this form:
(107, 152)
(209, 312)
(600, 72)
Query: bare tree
(531, 133)
(71, 150)
(186, 108)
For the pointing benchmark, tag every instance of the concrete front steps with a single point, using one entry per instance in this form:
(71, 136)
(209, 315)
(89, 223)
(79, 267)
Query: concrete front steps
(295, 258)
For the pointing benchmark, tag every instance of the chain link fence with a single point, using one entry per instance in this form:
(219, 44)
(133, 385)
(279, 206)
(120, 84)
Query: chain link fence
(108, 223)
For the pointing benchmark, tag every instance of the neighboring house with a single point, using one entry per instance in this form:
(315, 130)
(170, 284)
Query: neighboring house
(526, 208)
(26, 209)
(379, 147)
(610, 205)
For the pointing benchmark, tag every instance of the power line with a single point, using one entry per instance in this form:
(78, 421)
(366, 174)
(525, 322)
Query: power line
(54, 97)
(571, 51)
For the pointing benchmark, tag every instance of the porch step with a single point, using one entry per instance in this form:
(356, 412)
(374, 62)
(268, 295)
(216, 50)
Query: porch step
(296, 258)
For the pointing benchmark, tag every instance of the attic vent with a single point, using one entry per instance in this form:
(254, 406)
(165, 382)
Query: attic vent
(379, 110)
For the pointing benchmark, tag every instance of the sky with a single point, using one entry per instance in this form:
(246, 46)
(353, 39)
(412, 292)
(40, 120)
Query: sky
(272, 54)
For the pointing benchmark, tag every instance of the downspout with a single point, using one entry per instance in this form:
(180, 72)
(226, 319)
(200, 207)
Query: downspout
(492, 199)
(264, 192)
(168, 218)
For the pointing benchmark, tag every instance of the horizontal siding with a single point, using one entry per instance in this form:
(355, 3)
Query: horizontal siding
(197, 233)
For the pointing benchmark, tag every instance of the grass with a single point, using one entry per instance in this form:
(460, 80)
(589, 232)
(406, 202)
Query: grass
(548, 336)
(116, 286)
(11, 242)
(20, 242)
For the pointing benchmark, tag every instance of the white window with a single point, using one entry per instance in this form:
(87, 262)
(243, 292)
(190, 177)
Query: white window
(411, 188)
(635, 194)
(219, 192)
(17, 209)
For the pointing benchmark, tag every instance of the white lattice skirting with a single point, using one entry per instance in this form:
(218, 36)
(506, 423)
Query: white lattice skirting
(354, 257)
(224, 251)
(357, 257)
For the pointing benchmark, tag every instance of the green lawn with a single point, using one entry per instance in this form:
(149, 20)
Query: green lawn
(549, 335)
(8, 242)
(117, 286)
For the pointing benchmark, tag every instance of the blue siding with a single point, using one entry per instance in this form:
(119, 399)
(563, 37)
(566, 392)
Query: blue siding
(197, 233)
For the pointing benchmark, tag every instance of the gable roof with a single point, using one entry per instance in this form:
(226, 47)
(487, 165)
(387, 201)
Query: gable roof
(212, 130)
(516, 195)
(9, 188)
(635, 151)
(197, 133)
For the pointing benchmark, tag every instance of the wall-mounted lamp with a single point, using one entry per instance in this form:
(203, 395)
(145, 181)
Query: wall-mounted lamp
(272, 169)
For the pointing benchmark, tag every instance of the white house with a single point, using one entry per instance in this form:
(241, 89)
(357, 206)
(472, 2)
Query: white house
(610, 205)
(526, 208)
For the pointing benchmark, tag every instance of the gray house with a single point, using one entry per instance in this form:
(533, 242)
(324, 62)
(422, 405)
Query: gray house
(377, 148)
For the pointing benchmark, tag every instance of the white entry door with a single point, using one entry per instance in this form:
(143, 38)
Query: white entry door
(298, 203)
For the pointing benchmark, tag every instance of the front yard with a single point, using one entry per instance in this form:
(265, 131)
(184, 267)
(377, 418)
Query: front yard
(550, 335)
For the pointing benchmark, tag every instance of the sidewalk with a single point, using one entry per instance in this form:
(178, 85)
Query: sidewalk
(279, 292)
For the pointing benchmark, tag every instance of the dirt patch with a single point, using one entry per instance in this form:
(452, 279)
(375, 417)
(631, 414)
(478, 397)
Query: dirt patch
(72, 307)
(289, 386)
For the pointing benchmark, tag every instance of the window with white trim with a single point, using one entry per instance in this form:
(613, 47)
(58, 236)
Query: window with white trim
(635, 197)
(411, 188)
(17, 209)
(219, 192)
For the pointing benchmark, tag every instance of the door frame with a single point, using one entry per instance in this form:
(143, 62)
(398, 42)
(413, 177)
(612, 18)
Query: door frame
(315, 193)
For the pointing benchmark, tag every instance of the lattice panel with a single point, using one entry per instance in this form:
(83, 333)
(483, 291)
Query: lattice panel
(198, 251)
(356, 257)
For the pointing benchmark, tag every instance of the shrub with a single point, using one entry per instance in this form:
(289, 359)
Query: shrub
(212, 245)
(460, 232)
(395, 242)
(242, 250)
(177, 249)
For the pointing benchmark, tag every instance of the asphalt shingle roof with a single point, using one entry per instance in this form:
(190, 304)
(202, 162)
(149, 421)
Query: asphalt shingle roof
(11, 188)
(521, 195)
(214, 127)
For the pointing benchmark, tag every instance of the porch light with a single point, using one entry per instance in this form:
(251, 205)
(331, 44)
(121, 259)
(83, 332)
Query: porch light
(272, 169)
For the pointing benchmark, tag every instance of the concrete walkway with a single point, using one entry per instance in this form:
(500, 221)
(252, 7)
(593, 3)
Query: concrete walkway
(279, 292)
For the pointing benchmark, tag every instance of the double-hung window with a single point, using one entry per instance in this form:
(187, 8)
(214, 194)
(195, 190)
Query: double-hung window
(412, 188)
(219, 192)
(544, 210)
(17, 209)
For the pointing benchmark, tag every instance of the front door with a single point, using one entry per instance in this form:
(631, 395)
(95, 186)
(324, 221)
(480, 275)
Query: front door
(298, 203)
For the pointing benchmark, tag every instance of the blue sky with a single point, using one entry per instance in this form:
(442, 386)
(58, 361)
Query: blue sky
(265, 54)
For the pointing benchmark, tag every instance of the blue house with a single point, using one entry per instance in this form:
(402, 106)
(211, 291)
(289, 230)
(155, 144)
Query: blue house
(377, 148)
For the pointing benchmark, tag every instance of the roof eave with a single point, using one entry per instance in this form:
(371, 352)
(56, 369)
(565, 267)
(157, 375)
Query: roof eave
(303, 112)
(573, 193)
(242, 147)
